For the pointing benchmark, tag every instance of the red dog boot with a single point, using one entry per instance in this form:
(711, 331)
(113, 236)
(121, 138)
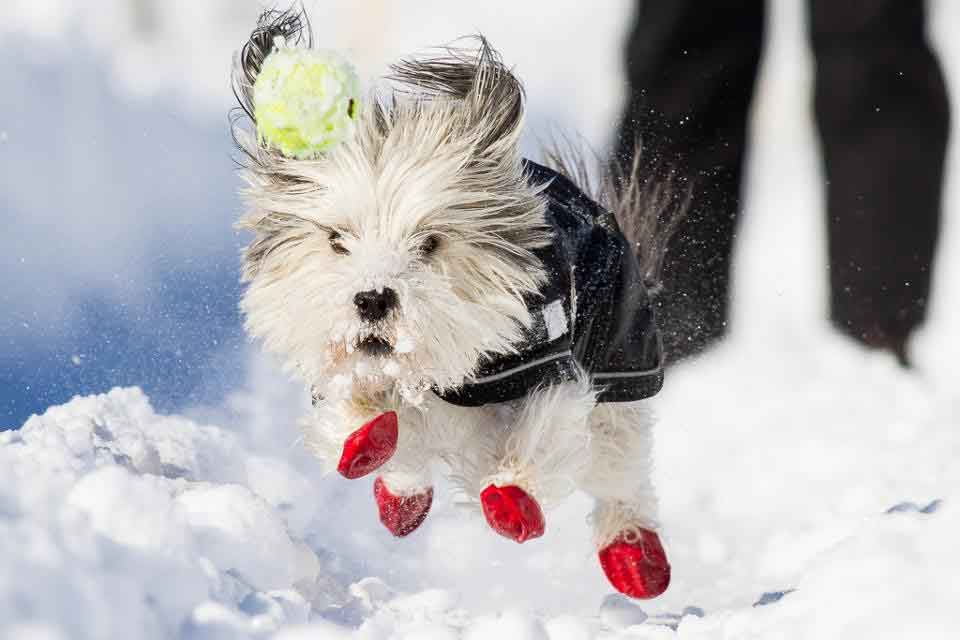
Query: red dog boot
(639, 568)
(512, 512)
(369, 446)
(401, 514)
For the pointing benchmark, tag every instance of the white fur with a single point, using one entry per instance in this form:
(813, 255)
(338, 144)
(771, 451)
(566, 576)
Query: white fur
(620, 470)
(546, 451)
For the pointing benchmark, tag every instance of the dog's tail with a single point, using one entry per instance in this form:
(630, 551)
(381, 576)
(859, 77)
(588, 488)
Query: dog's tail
(648, 201)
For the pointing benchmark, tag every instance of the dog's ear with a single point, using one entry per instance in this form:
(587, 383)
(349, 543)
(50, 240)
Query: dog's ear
(493, 98)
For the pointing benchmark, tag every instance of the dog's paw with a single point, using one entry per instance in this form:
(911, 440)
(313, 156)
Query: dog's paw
(512, 512)
(401, 514)
(369, 447)
(636, 565)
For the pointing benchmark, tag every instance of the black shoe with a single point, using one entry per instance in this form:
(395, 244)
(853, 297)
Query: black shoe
(877, 338)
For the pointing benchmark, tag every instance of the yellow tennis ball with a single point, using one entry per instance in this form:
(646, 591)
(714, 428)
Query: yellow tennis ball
(305, 101)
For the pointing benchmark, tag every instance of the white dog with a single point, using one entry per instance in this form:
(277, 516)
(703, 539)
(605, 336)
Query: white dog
(446, 299)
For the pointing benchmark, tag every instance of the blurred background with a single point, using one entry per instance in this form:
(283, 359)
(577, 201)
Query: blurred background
(118, 189)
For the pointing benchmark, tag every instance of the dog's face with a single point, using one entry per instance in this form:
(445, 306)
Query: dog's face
(403, 255)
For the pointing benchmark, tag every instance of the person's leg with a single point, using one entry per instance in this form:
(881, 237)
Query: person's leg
(691, 67)
(882, 111)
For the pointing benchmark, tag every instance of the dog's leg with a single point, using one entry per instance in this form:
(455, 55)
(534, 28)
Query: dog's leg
(625, 518)
(330, 432)
(404, 489)
(542, 458)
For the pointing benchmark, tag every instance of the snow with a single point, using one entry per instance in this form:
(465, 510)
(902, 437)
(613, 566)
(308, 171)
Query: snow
(806, 473)
(799, 475)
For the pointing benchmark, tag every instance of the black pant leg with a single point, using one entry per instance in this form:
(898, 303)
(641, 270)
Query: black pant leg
(691, 67)
(883, 116)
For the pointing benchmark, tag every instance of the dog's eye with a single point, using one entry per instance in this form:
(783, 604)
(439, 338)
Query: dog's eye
(335, 244)
(430, 245)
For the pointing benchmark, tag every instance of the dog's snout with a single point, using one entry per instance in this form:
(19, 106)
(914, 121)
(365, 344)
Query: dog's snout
(375, 305)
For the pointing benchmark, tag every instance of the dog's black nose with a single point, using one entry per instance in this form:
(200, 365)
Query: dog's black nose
(374, 305)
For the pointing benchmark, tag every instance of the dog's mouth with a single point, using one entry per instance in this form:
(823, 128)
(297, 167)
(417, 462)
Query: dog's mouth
(374, 346)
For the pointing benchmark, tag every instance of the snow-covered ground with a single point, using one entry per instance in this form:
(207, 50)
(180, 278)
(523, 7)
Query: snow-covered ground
(790, 464)
(778, 468)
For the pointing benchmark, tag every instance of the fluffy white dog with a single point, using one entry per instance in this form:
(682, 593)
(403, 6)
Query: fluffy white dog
(446, 299)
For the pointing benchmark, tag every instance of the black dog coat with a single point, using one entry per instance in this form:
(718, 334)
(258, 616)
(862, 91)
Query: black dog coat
(594, 314)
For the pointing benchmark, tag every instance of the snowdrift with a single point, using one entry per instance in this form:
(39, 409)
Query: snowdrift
(818, 501)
